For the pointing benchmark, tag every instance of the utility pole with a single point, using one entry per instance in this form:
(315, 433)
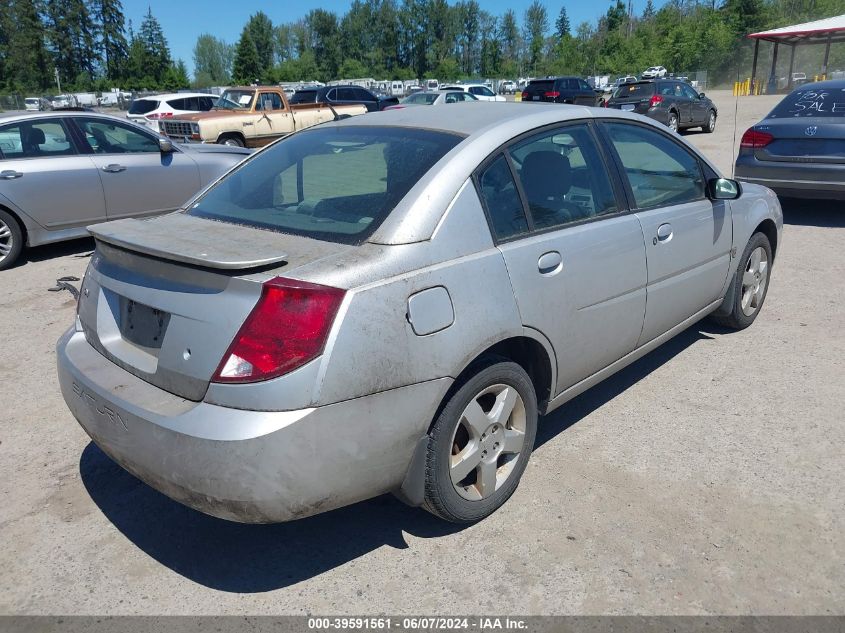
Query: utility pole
(58, 82)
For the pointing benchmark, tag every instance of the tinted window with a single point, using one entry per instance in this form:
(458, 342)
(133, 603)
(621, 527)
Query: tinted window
(142, 106)
(206, 103)
(336, 184)
(546, 84)
(346, 94)
(331, 95)
(689, 92)
(421, 98)
(35, 139)
(584, 85)
(362, 95)
(660, 172)
(563, 176)
(107, 137)
(179, 104)
(804, 102)
(501, 200)
(632, 91)
(304, 96)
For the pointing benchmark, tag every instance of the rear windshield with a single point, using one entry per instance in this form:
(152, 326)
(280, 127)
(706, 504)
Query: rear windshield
(633, 91)
(807, 103)
(421, 98)
(541, 85)
(142, 106)
(304, 96)
(334, 184)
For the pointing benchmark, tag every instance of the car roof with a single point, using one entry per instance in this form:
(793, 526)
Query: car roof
(830, 84)
(22, 116)
(173, 95)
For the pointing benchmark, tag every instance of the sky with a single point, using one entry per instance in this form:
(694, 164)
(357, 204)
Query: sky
(185, 20)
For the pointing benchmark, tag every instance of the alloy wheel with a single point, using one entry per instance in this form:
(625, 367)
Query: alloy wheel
(6, 240)
(487, 442)
(673, 122)
(754, 281)
(711, 123)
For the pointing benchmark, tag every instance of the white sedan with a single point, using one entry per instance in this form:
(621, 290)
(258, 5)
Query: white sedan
(653, 72)
(480, 91)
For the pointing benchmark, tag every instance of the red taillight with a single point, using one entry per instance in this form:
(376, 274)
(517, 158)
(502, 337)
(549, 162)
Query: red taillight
(525, 96)
(755, 138)
(160, 115)
(287, 328)
(655, 100)
(553, 94)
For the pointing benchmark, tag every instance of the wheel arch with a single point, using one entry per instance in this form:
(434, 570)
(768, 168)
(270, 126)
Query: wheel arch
(19, 219)
(222, 137)
(768, 228)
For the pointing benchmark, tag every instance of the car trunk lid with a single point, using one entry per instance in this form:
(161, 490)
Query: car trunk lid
(816, 140)
(536, 90)
(163, 298)
(632, 97)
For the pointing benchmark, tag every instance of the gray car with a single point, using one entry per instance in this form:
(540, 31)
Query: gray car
(61, 171)
(388, 303)
(799, 148)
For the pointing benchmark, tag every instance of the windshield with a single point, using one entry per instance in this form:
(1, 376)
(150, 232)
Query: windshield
(336, 184)
(633, 91)
(810, 103)
(421, 98)
(235, 100)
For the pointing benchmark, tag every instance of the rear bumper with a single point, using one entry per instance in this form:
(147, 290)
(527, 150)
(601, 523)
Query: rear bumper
(248, 466)
(794, 180)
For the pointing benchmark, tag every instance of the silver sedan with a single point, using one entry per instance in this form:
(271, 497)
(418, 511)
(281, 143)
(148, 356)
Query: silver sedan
(389, 304)
(61, 171)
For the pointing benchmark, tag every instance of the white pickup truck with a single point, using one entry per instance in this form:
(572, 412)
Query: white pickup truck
(252, 117)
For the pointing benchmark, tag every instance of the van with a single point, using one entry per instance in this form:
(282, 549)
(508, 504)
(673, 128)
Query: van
(397, 89)
(432, 84)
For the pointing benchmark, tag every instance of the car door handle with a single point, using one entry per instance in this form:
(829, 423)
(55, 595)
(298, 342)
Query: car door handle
(113, 168)
(10, 174)
(664, 233)
(550, 263)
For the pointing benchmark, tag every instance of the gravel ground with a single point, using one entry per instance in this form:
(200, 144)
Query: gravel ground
(705, 479)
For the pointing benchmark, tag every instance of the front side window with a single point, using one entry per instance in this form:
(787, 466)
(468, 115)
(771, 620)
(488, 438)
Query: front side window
(35, 139)
(501, 200)
(108, 137)
(689, 92)
(335, 184)
(563, 176)
(660, 172)
(421, 98)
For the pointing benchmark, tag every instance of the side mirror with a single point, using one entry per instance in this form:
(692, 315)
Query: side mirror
(700, 95)
(165, 145)
(723, 189)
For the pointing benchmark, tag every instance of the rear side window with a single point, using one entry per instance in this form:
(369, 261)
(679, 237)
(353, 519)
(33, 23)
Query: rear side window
(564, 177)
(807, 103)
(334, 184)
(36, 139)
(142, 106)
(660, 172)
(501, 200)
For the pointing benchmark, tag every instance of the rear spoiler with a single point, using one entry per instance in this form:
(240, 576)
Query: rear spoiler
(193, 240)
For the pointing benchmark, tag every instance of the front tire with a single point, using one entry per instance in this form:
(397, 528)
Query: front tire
(710, 126)
(231, 140)
(749, 286)
(672, 123)
(480, 443)
(11, 240)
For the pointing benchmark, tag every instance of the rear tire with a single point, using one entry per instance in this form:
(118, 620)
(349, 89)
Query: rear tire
(11, 240)
(232, 140)
(480, 443)
(672, 123)
(749, 286)
(710, 126)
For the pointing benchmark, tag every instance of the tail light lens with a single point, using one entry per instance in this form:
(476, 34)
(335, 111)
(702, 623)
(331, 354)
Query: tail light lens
(159, 115)
(655, 100)
(287, 328)
(525, 95)
(755, 138)
(553, 94)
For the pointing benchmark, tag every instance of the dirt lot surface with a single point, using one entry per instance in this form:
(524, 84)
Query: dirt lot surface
(706, 478)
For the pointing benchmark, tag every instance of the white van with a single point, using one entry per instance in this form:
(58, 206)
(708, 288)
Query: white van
(397, 89)
(432, 84)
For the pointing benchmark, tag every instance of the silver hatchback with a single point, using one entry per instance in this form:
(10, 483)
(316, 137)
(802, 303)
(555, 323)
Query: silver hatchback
(388, 304)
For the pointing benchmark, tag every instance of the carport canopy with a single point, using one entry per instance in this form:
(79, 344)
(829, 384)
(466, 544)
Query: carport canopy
(826, 31)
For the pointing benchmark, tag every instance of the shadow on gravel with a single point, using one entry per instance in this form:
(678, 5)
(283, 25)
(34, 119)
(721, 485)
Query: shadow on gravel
(254, 558)
(821, 213)
(244, 558)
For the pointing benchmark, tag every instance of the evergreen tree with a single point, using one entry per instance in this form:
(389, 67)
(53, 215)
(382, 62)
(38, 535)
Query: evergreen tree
(112, 37)
(156, 52)
(212, 61)
(247, 67)
(648, 12)
(261, 31)
(25, 60)
(73, 37)
(562, 26)
(536, 25)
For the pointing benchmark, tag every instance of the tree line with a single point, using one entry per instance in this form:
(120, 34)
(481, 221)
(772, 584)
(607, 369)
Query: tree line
(93, 47)
(87, 43)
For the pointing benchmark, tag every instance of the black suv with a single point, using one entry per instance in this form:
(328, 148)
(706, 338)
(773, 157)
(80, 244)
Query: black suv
(343, 95)
(561, 90)
(674, 103)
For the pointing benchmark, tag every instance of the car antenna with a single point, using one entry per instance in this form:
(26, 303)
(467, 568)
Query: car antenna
(736, 111)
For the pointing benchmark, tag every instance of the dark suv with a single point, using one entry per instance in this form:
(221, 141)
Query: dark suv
(343, 95)
(674, 103)
(561, 90)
